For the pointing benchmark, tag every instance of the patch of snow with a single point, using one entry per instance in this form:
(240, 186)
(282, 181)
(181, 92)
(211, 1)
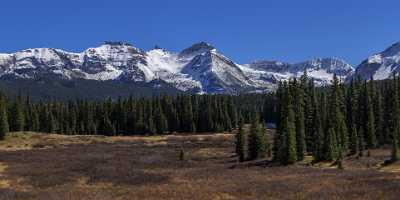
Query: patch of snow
(383, 72)
(110, 74)
(161, 60)
(377, 58)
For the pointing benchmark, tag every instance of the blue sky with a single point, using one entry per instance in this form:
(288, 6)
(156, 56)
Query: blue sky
(286, 30)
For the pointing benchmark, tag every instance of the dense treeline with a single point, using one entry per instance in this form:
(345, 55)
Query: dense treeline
(332, 122)
(156, 115)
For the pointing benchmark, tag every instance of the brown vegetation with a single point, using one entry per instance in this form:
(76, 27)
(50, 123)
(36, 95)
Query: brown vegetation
(94, 167)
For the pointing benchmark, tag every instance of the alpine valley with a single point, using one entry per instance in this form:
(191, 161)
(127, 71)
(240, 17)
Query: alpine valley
(120, 69)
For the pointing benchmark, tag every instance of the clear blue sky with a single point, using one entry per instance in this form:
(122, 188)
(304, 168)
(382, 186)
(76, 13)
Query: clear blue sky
(287, 30)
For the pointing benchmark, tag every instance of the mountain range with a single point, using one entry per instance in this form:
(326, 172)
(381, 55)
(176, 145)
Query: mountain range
(201, 68)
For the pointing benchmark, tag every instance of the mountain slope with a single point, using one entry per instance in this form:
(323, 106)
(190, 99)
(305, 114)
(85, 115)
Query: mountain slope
(381, 65)
(200, 68)
(320, 69)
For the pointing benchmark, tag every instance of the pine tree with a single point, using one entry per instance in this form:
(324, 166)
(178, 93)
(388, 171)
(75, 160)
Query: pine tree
(318, 152)
(354, 140)
(52, 127)
(311, 110)
(17, 116)
(379, 120)
(278, 141)
(395, 154)
(107, 127)
(290, 138)
(160, 120)
(318, 135)
(370, 120)
(337, 135)
(257, 146)
(339, 161)
(240, 143)
(396, 123)
(300, 126)
(331, 147)
(285, 148)
(3, 121)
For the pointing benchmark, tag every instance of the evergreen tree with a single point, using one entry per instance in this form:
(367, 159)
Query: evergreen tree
(257, 144)
(17, 116)
(379, 118)
(395, 154)
(337, 135)
(395, 123)
(278, 141)
(311, 110)
(240, 143)
(300, 126)
(290, 133)
(370, 120)
(354, 141)
(107, 127)
(318, 135)
(3, 121)
(160, 120)
(285, 150)
(331, 147)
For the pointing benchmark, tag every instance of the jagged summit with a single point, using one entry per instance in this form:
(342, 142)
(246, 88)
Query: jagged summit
(119, 43)
(199, 68)
(196, 49)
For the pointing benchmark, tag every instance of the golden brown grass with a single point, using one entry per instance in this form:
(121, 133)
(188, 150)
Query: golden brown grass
(93, 167)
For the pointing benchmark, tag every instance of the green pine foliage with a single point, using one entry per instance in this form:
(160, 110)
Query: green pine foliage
(300, 121)
(331, 146)
(4, 128)
(257, 145)
(240, 144)
(17, 118)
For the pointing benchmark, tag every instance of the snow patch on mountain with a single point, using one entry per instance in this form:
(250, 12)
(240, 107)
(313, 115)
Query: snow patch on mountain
(319, 69)
(381, 65)
(200, 68)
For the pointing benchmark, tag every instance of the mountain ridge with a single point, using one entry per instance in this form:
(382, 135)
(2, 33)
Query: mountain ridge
(381, 65)
(200, 68)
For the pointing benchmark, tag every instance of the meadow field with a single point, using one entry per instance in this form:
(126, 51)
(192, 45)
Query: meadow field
(45, 166)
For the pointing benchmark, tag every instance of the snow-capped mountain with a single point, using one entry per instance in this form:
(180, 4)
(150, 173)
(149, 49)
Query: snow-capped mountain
(200, 68)
(319, 69)
(382, 65)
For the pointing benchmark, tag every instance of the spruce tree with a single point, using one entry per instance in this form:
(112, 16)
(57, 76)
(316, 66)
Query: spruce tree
(331, 147)
(281, 115)
(3, 121)
(107, 127)
(285, 148)
(300, 126)
(160, 119)
(395, 122)
(290, 133)
(240, 143)
(311, 110)
(318, 134)
(257, 146)
(395, 154)
(337, 135)
(354, 140)
(370, 120)
(379, 120)
(17, 116)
